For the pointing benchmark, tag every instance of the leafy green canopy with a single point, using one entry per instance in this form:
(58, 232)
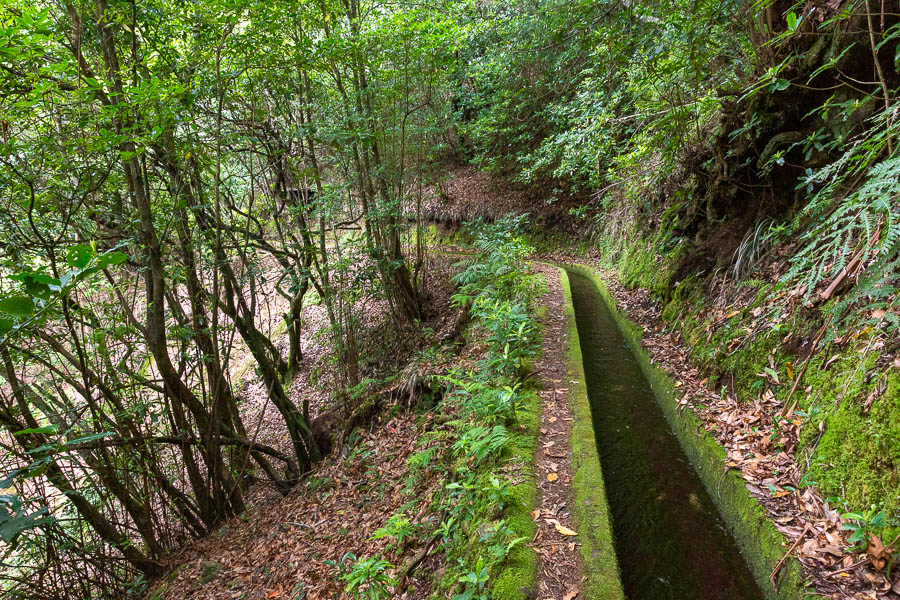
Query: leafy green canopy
(579, 92)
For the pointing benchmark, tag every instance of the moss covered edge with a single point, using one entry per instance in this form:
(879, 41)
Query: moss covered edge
(589, 506)
(761, 544)
(518, 577)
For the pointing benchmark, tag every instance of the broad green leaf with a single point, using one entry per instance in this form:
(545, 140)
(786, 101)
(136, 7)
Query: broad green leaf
(79, 256)
(113, 257)
(35, 277)
(90, 438)
(11, 526)
(8, 479)
(21, 306)
(43, 448)
(48, 429)
(792, 21)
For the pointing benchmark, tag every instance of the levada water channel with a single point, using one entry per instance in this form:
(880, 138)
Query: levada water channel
(670, 540)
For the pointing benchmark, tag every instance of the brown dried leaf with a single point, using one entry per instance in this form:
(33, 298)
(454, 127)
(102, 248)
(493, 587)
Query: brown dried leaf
(879, 556)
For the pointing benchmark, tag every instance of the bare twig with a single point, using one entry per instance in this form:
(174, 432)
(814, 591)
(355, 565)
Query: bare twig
(850, 568)
(786, 412)
(881, 79)
(784, 558)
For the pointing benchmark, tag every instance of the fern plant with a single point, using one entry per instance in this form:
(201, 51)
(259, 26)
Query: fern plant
(398, 528)
(858, 231)
(479, 443)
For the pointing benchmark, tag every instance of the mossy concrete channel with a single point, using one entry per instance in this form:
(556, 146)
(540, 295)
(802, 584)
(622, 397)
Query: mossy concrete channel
(590, 508)
(658, 505)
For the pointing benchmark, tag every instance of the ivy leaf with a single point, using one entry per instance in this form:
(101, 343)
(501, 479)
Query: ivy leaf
(781, 84)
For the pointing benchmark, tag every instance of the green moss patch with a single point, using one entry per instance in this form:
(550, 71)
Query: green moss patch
(853, 423)
(518, 577)
(850, 405)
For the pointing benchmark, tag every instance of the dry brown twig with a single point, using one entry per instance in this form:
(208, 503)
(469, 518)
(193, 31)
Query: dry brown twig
(787, 412)
(784, 558)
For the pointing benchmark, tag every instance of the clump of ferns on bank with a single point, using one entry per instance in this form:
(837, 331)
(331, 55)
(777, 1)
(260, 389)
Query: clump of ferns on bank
(856, 232)
(498, 288)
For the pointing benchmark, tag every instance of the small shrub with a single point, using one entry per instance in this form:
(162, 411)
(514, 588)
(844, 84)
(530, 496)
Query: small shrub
(398, 527)
(366, 578)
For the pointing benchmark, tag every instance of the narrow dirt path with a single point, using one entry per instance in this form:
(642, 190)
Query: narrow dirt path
(556, 541)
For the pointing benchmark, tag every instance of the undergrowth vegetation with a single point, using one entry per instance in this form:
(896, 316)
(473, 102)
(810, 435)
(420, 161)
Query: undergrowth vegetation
(709, 134)
(188, 186)
(482, 448)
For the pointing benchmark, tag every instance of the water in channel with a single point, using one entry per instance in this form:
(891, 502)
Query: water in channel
(670, 540)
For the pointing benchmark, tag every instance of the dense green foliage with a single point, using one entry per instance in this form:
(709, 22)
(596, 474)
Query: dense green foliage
(741, 160)
(180, 180)
(591, 93)
(709, 133)
(498, 422)
(479, 519)
(175, 179)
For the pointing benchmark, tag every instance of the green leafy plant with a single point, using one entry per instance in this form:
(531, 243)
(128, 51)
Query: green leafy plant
(844, 230)
(398, 527)
(863, 525)
(447, 529)
(476, 581)
(366, 578)
(17, 519)
(512, 333)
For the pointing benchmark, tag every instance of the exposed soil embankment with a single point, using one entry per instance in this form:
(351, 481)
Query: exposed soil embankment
(467, 194)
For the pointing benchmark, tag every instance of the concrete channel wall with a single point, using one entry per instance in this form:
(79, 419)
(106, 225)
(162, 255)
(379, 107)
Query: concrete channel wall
(589, 506)
(761, 544)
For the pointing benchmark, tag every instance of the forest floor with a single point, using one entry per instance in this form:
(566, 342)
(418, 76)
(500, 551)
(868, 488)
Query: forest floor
(758, 445)
(291, 546)
(280, 548)
(559, 560)
(283, 545)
